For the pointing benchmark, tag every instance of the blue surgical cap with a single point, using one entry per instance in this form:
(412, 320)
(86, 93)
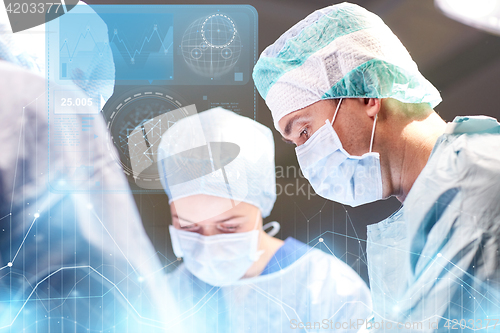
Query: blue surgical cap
(222, 154)
(341, 51)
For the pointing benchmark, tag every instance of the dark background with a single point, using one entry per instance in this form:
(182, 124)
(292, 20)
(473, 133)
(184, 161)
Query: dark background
(462, 62)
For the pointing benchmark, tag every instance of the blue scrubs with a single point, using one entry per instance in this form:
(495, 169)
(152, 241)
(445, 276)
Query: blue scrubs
(300, 285)
(437, 260)
(287, 254)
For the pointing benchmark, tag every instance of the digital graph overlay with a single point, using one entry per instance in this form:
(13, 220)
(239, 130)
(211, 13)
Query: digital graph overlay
(137, 121)
(211, 45)
(33, 292)
(142, 51)
(52, 277)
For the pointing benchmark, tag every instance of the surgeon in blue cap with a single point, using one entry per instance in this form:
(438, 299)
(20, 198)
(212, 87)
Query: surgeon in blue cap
(342, 88)
(217, 169)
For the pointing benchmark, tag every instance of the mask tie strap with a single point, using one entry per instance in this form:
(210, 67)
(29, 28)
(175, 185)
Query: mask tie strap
(255, 255)
(337, 110)
(373, 132)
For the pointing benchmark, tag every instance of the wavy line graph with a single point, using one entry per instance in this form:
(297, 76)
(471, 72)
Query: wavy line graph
(132, 55)
(143, 51)
(146, 40)
(71, 55)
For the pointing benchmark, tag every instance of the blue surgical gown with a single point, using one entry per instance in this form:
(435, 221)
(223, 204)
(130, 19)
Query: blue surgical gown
(436, 261)
(302, 289)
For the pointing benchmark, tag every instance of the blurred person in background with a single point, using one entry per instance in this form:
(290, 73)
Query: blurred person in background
(74, 256)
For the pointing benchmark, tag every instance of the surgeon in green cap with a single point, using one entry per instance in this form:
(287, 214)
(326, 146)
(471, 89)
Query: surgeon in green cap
(343, 88)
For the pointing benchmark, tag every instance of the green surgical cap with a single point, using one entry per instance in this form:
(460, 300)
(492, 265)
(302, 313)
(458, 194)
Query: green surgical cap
(341, 51)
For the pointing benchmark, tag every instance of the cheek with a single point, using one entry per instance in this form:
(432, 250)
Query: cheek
(355, 139)
(247, 227)
(175, 223)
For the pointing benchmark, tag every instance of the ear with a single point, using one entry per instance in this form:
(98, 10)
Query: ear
(372, 106)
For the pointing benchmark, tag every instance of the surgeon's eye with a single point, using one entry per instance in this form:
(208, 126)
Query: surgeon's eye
(304, 133)
(190, 227)
(229, 227)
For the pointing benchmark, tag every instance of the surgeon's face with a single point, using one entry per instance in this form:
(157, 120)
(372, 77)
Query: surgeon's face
(240, 218)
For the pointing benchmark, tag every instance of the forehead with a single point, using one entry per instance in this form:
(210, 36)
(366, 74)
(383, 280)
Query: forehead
(287, 123)
(201, 207)
(317, 110)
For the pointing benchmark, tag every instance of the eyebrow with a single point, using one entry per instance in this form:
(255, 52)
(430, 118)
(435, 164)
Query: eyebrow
(289, 125)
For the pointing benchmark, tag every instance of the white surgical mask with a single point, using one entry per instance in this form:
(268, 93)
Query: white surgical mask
(218, 259)
(336, 175)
